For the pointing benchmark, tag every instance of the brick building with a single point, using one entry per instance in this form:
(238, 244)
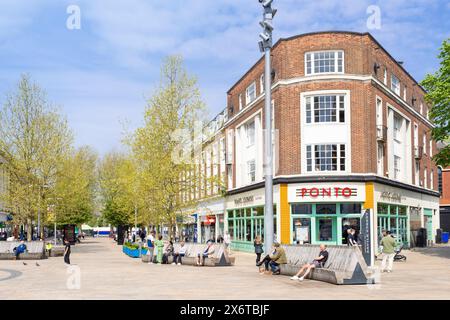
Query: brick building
(444, 189)
(351, 133)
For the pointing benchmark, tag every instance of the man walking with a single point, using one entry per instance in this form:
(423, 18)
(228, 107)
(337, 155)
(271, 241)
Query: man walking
(66, 252)
(150, 245)
(388, 244)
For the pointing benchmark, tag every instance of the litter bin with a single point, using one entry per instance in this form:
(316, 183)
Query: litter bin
(444, 237)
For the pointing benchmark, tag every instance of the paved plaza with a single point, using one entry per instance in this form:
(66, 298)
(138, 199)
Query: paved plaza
(107, 273)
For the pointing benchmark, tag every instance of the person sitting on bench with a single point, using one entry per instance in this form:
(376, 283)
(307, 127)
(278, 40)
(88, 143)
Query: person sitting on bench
(177, 258)
(318, 262)
(277, 257)
(21, 248)
(206, 253)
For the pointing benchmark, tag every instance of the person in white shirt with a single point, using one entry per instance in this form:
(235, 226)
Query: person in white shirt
(150, 245)
(177, 257)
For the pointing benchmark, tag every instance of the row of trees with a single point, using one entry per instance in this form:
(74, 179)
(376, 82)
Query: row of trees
(146, 182)
(47, 176)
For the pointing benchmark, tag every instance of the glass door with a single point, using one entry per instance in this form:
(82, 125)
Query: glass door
(326, 230)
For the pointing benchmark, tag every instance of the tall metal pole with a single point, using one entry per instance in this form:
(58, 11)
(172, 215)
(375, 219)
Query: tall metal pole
(39, 215)
(265, 46)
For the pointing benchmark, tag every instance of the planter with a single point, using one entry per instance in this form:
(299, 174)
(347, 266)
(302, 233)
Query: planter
(133, 253)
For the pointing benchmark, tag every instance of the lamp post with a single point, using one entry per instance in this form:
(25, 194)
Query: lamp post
(265, 45)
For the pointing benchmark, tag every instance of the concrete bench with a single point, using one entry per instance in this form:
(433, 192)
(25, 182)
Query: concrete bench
(35, 250)
(219, 258)
(345, 265)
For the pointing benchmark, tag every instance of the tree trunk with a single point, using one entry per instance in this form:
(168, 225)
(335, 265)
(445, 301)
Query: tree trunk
(29, 230)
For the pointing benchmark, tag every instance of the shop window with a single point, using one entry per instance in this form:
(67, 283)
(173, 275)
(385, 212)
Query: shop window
(326, 209)
(325, 230)
(231, 228)
(350, 208)
(401, 210)
(301, 228)
(382, 208)
(301, 208)
(258, 211)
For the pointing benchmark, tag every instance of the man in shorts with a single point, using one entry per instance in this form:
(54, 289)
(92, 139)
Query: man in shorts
(318, 262)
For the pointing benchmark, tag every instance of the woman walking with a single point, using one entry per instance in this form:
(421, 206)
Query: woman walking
(257, 243)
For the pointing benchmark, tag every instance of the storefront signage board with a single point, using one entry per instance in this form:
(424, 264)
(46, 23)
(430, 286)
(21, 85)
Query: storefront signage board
(312, 192)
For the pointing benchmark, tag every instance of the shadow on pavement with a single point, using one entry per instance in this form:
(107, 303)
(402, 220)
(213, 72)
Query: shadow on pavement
(442, 252)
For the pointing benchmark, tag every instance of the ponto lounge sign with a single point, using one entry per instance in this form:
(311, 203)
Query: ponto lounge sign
(326, 192)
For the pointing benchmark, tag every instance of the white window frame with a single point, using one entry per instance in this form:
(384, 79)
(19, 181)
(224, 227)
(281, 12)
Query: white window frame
(338, 108)
(405, 92)
(431, 180)
(240, 101)
(396, 88)
(311, 53)
(250, 140)
(261, 83)
(251, 173)
(425, 178)
(424, 142)
(385, 76)
(249, 99)
(338, 158)
(431, 147)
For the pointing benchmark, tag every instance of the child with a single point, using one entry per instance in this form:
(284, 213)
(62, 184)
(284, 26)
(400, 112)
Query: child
(258, 248)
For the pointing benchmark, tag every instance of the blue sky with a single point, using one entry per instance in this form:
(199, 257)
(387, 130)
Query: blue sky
(101, 74)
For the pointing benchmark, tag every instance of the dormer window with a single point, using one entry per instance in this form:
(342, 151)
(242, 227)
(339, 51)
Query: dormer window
(324, 62)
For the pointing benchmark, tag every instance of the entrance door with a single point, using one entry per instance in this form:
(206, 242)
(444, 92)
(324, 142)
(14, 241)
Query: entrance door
(429, 227)
(326, 231)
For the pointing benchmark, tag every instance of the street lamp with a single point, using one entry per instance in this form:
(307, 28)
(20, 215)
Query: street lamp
(265, 45)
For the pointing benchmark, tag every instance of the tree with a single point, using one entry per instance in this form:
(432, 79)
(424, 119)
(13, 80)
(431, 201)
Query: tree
(170, 121)
(116, 177)
(437, 86)
(75, 188)
(34, 138)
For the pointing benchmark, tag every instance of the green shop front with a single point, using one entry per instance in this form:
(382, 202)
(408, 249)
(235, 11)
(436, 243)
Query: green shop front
(323, 212)
(245, 218)
(404, 211)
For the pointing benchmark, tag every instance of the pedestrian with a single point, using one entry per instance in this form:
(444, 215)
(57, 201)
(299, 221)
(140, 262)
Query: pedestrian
(318, 262)
(257, 243)
(142, 235)
(388, 244)
(274, 260)
(351, 237)
(169, 252)
(21, 248)
(208, 252)
(177, 257)
(159, 245)
(66, 252)
(151, 245)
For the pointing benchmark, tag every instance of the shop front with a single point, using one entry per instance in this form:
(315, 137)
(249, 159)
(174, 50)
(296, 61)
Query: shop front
(210, 222)
(245, 218)
(323, 212)
(404, 212)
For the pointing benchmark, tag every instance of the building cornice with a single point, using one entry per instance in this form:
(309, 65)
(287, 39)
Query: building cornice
(336, 178)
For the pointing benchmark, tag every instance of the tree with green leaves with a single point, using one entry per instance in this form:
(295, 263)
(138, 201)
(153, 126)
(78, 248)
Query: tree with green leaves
(34, 138)
(164, 166)
(75, 189)
(116, 182)
(437, 86)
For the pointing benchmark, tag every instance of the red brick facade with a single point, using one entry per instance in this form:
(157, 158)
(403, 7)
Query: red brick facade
(364, 64)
